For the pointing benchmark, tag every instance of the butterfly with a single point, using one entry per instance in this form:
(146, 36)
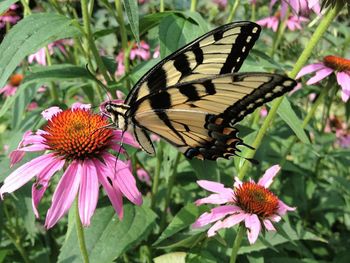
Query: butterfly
(194, 97)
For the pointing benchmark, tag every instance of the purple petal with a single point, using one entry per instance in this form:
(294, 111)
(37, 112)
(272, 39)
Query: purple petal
(212, 231)
(275, 218)
(88, 192)
(343, 79)
(237, 182)
(309, 69)
(234, 219)
(39, 187)
(24, 173)
(64, 194)
(78, 105)
(283, 208)
(268, 225)
(216, 199)
(215, 214)
(214, 187)
(127, 138)
(321, 74)
(50, 112)
(113, 192)
(16, 156)
(270, 173)
(253, 226)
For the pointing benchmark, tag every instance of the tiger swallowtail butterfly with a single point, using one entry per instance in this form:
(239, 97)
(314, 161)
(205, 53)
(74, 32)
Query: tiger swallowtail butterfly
(194, 97)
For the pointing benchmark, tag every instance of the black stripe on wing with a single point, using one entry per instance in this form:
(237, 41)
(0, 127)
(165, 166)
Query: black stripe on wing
(220, 51)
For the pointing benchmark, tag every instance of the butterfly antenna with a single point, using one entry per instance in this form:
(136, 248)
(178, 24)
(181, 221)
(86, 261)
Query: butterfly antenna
(99, 82)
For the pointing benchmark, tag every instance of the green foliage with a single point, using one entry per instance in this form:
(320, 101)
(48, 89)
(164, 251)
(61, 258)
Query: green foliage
(315, 161)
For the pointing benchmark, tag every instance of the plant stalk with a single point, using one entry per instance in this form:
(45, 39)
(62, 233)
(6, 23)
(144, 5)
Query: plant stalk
(320, 30)
(80, 233)
(237, 243)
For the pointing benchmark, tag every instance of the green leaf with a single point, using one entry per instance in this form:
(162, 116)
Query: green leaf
(5, 4)
(30, 34)
(174, 32)
(287, 113)
(205, 169)
(174, 257)
(132, 13)
(107, 237)
(185, 217)
(41, 75)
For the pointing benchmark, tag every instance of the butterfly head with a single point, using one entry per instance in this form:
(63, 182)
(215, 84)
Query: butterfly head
(116, 111)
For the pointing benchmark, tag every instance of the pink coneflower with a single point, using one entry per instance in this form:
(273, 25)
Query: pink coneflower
(156, 52)
(11, 87)
(250, 202)
(341, 130)
(298, 7)
(77, 141)
(40, 55)
(141, 52)
(10, 16)
(293, 22)
(221, 3)
(340, 67)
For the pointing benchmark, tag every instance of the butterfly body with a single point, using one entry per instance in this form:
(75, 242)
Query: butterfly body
(194, 97)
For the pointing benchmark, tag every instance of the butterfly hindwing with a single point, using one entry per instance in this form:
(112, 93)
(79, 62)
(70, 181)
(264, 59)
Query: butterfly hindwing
(198, 116)
(220, 51)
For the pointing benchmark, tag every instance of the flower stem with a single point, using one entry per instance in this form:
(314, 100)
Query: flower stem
(168, 193)
(90, 44)
(17, 243)
(193, 5)
(237, 243)
(155, 183)
(233, 11)
(320, 30)
(53, 88)
(80, 233)
(161, 6)
(278, 36)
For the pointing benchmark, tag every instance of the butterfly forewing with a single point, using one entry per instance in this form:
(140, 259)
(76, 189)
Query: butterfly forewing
(194, 97)
(220, 51)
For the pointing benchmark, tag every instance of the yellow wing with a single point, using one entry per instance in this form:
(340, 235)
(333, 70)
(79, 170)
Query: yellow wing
(198, 116)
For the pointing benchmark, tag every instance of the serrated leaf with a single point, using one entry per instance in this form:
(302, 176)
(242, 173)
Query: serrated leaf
(5, 4)
(174, 257)
(30, 34)
(132, 13)
(185, 217)
(107, 237)
(286, 112)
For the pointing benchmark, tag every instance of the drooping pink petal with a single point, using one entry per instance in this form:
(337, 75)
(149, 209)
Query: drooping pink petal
(127, 138)
(214, 187)
(234, 219)
(88, 192)
(124, 179)
(216, 227)
(215, 214)
(50, 112)
(321, 74)
(143, 176)
(16, 156)
(283, 208)
(275, 218)
(113, 192)
(268, 176)
(343, 79)
(309, 69)
(215, 199)
(268, 225)
(64, 194)
(253, 226)
(24, 173)
(40, 186)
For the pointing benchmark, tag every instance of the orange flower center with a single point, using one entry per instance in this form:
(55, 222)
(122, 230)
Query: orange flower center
(16, 79)
(256, 199)
(77, 134)
(337, 63)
